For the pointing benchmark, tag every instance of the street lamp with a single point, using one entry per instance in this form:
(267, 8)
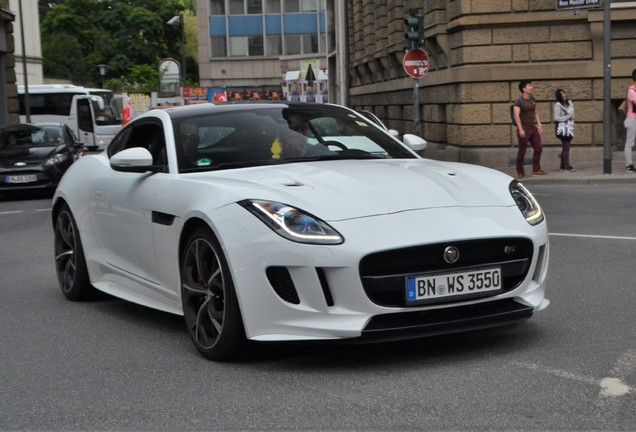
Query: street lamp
(102, 72)
(175, 21)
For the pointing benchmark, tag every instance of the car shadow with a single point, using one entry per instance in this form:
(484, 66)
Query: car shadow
(342, 354)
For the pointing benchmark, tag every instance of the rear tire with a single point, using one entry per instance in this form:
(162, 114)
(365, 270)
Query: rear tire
(210, 306)
(70, 263)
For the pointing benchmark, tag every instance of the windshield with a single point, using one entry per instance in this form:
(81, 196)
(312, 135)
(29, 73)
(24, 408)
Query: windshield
(28, 136)
(280, 135)
(105, 115)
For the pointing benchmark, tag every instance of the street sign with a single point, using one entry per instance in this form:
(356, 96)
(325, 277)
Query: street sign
(415, 62)
(578, 4)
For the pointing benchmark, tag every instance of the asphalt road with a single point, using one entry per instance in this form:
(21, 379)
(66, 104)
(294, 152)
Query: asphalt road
(111, 365)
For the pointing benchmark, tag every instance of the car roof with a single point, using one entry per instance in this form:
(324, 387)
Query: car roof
(205, 108)
(49, 124)
(26, 126)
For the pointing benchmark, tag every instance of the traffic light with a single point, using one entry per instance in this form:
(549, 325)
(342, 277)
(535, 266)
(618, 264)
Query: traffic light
(414, 29)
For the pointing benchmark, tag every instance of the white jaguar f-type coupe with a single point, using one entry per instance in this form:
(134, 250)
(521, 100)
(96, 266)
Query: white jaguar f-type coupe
(296, 222)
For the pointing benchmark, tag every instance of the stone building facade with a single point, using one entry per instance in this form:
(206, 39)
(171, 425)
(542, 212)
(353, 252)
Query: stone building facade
(479, 50)
(8, 88)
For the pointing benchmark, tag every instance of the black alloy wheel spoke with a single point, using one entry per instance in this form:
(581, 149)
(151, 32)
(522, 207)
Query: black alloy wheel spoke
(200, 330)
(215, 318)
(194, 289)
(215, 283)
(69, 274)
(201, 251)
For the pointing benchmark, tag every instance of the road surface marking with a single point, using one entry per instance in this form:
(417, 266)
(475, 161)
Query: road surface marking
(610, 387)
(593, 236)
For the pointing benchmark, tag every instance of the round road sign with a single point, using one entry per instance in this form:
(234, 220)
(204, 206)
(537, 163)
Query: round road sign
(415, 62)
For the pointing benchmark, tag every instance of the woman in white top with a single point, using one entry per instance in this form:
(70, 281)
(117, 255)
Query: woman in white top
(564, 119)
(630, 124)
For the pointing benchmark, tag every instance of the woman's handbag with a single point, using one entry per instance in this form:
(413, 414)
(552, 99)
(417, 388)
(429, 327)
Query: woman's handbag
(564, 130)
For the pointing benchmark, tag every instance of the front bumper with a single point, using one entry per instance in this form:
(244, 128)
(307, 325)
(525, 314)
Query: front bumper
(318, 292)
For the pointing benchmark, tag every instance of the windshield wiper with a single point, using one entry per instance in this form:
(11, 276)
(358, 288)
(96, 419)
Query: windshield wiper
(337, 156)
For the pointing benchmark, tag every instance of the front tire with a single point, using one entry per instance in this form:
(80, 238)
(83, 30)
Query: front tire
(70, 263)
(210, 306)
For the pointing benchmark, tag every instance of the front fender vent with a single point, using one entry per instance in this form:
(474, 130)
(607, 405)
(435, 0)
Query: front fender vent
(280, 279)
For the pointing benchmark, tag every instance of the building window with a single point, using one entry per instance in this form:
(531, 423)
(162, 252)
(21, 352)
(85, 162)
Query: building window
(259, 34)
(308, 5)
(219, 46)
(238, 46)
(255, 45)
(310, 44)
(237, 7)
(292, 5)
(272, 6)
(292, 45)
(273, 46)
(254, 6)
(242, 46)
(217, 7)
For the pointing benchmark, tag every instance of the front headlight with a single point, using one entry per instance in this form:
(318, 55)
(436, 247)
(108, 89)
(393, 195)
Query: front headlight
(292, 223)
(56, 159)
(530, 208)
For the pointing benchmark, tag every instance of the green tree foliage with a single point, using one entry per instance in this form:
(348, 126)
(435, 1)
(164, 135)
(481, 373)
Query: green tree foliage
(129, 36)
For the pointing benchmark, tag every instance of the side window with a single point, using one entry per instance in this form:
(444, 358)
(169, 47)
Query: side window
(84, 115)
(119, 142)
(70, 135)
(146, 135)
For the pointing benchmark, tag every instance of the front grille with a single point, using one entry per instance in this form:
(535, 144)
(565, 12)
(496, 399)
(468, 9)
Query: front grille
(383, 273)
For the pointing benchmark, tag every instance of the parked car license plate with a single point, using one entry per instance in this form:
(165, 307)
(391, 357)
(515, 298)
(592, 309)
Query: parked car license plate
(445, 285)
(21, 178)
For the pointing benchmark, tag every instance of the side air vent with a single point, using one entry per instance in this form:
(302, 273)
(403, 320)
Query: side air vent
(325, 287)
(283, 285)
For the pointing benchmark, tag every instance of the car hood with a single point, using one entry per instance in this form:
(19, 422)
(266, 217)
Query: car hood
(339, 190)
(29, 156)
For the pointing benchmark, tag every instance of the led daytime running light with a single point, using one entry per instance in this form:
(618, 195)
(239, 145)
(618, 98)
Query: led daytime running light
(278, 217)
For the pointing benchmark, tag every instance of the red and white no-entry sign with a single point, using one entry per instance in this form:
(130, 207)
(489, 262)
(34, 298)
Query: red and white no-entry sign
(415, 62)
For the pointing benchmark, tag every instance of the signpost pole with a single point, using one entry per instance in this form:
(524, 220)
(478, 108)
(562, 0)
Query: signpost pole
(416, 107)
(607, 89)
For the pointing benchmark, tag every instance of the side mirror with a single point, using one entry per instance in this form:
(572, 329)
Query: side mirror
(394, 133)
(414, 142)
(135, 159)
(99, 101)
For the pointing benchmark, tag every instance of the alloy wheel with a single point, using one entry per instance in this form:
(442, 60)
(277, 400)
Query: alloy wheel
(203, 290)
(65, 247)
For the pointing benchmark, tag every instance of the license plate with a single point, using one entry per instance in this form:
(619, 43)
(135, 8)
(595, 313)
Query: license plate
(443, 286)
(21, 178)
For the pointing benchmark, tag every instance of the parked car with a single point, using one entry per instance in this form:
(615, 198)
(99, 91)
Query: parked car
(291, 221)
(35, 156)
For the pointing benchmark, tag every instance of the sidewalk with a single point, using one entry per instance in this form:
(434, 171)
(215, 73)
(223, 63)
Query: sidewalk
(584, 174)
